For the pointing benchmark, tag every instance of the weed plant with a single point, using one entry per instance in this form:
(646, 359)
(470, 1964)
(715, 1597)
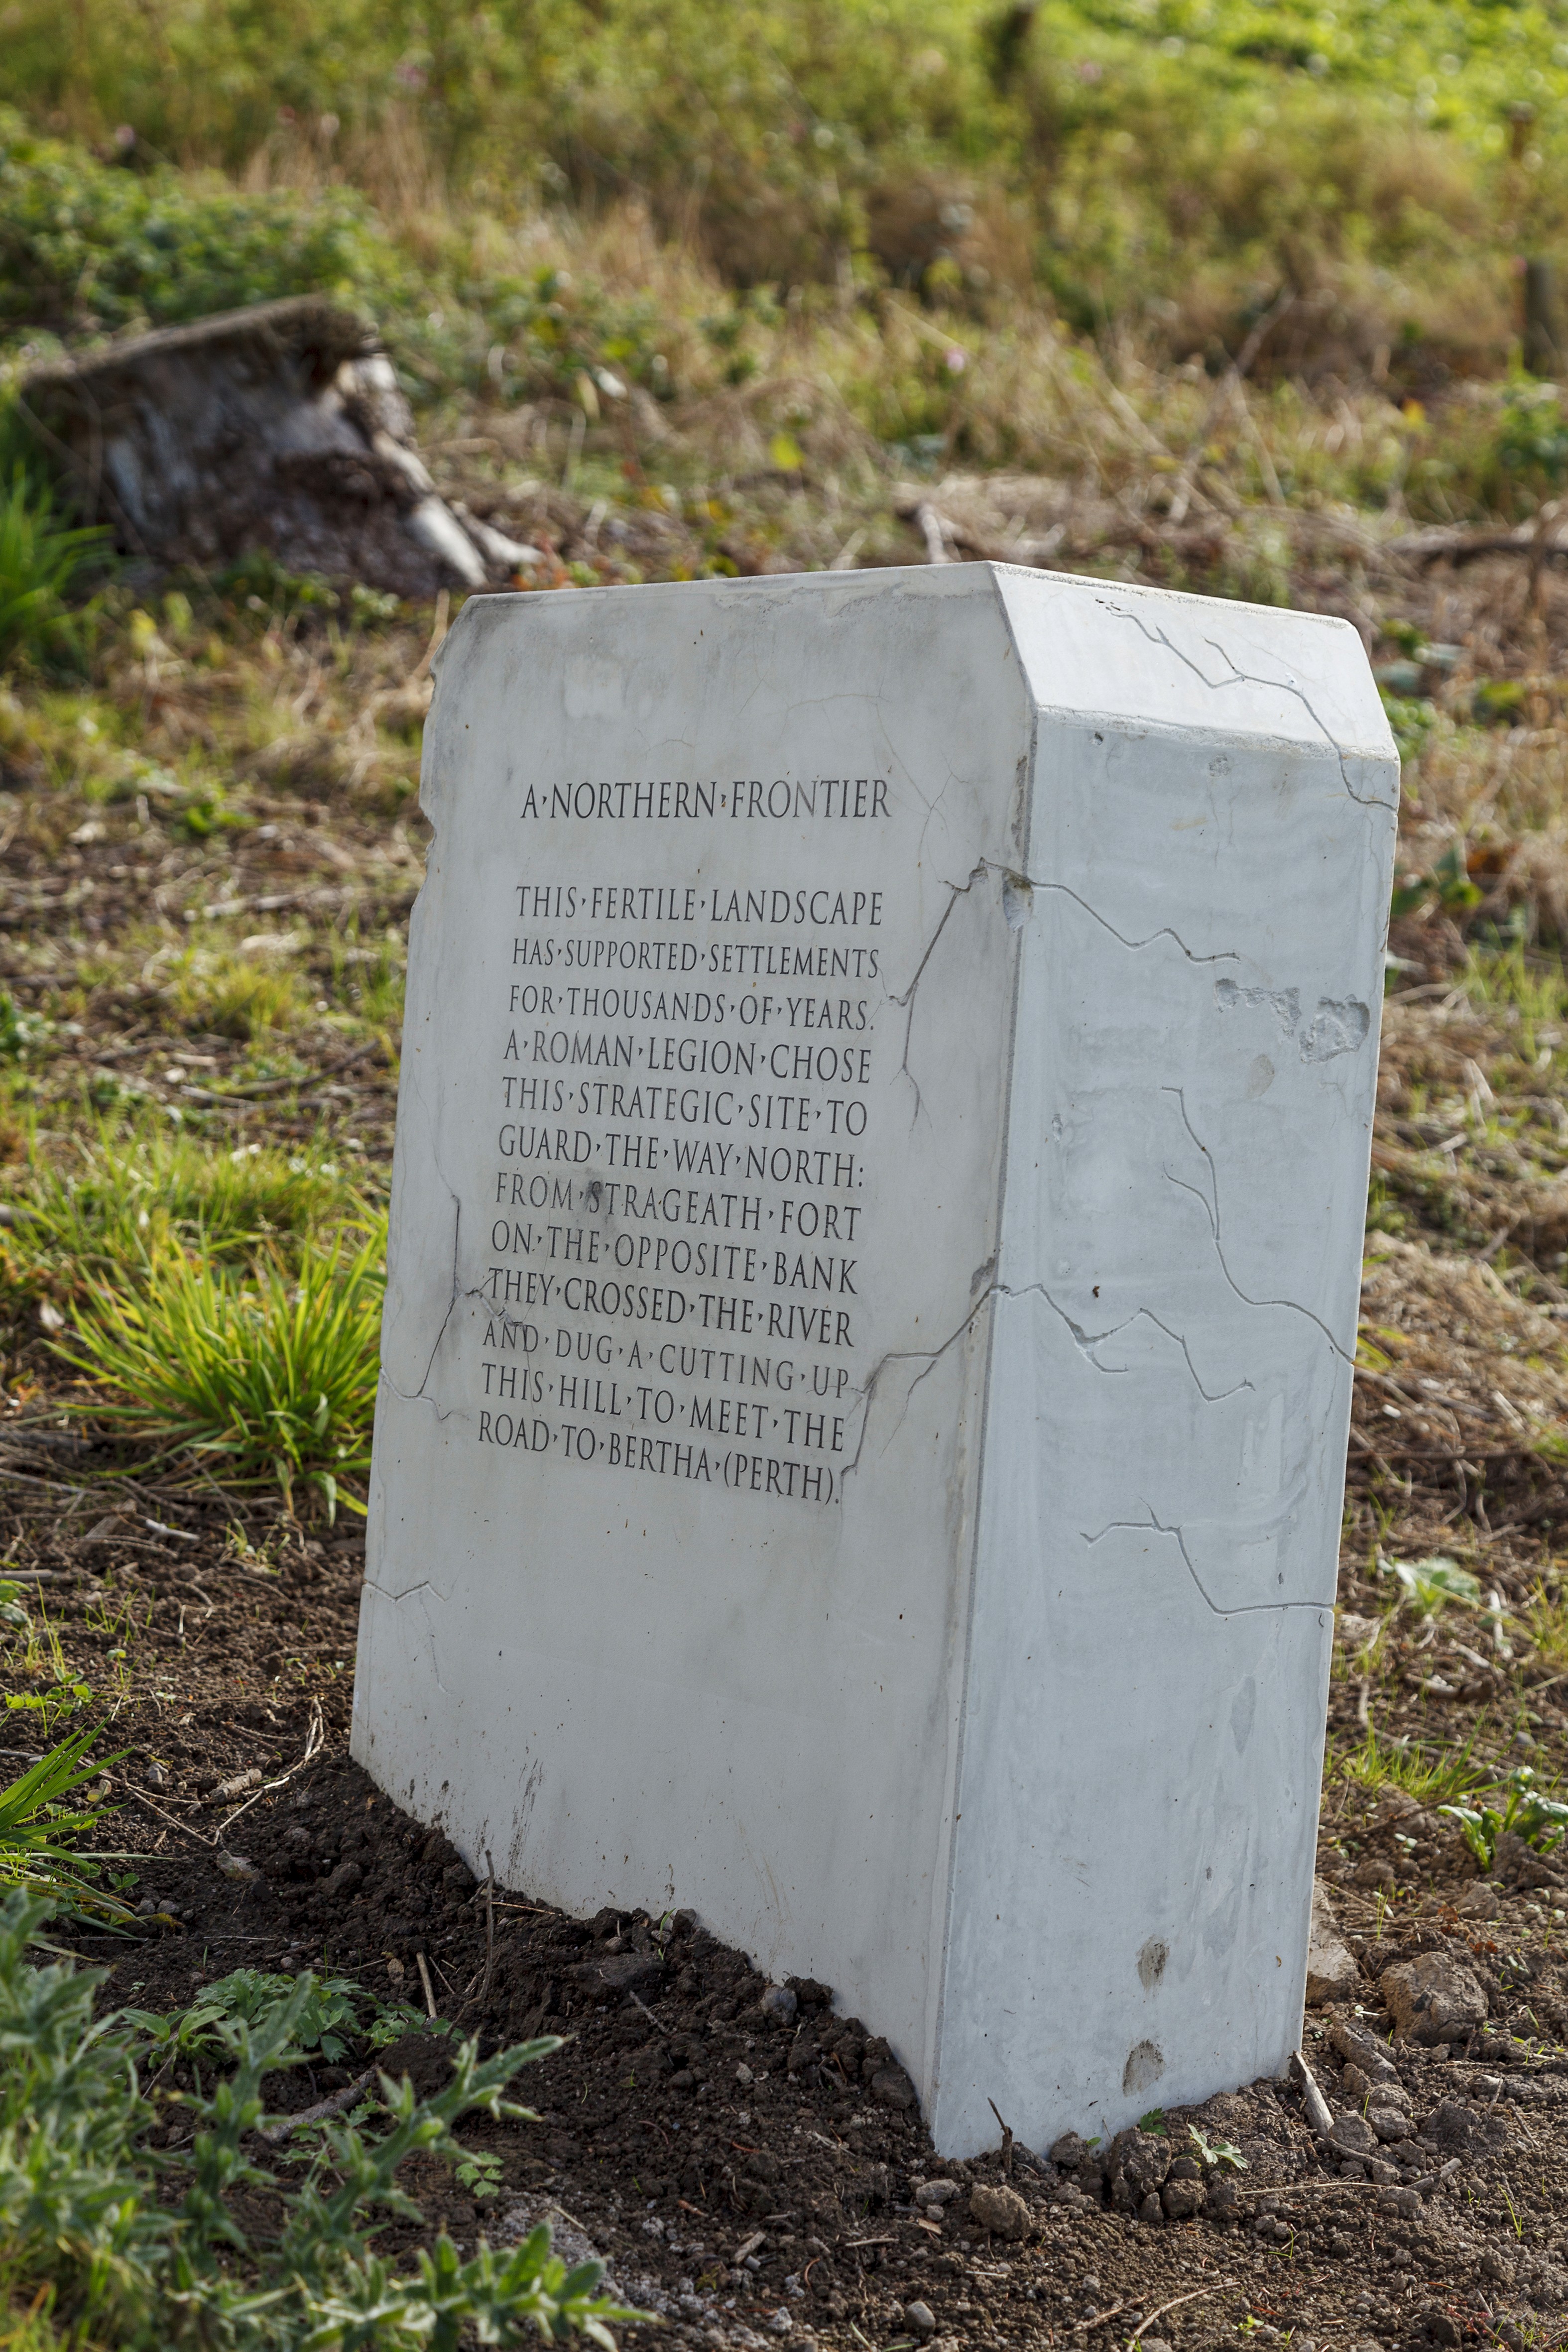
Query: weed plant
(42, 558)
(141, 2249)
(265, 1375)
(336, 2014)
(40, 1830)
(1523, 1810)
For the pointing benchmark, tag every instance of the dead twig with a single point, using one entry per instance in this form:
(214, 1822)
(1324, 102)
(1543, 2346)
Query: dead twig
(1191, 2297)
(937, 531)
(1099, 2318)
(1225, 392)
(315, 1740)
(1319, 2114)
(424, 1981)
(1007, 2139)
(278, 2132)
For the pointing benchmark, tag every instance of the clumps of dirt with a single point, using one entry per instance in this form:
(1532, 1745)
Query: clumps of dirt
(753, 2163)
(747, 2157)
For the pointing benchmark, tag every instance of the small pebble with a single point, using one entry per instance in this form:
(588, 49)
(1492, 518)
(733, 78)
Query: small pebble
(919, 2318)
(935, 2193)
(156, 1776)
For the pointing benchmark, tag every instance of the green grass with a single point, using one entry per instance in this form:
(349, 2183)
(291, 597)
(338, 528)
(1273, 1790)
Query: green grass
(42, 557)
(1164, 164)
(1513, 980)
(121, 1199)
(260, 1376)
(1432, 1776)
(40, 1828)
(216, 993)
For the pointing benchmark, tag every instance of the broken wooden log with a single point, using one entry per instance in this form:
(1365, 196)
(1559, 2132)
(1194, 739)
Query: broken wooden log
(279, 427)
(1455, 544)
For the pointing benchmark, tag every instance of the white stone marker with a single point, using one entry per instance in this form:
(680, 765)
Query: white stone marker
(887, 1093)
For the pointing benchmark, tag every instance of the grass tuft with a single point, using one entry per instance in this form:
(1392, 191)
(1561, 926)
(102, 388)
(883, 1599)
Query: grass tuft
(41, 560)
(267, 1375)
(221, 994)
(39, 1829)
(1432, 1776)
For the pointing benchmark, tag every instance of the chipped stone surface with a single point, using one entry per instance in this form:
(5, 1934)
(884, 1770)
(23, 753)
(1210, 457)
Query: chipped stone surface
(963, 1123)
(1332, 1970)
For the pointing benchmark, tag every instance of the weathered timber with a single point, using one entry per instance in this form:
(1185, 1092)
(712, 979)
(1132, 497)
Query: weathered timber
(279, 427)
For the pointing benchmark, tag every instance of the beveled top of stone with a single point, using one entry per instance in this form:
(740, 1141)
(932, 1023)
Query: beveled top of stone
(1151, 658)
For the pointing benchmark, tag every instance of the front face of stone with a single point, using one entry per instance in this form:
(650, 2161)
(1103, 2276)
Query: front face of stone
(695, 1204)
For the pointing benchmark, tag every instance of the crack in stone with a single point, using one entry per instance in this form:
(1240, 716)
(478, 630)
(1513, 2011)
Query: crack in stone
(1239, 676)
(407, 1593)
(1085, 1341)
(956, 890)
(412, 1593)
(1225, 955)
(1159, 1527)
(1211, 1210)
(417, 1396)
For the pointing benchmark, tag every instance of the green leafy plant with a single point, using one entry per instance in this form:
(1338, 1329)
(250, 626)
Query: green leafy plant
(1532, 434)
(21, 1032)
(1218, 2152)
(1449, 881)
(80, 240)
(268, 1374)
(326, 2024)
(39, 1829)
(480, 2172)
(139, 2248)
(1524, 1812)
(41, 559)
(1430, 1584)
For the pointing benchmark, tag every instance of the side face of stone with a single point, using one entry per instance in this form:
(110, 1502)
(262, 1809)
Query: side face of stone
(1200, 920)
(694, 1225)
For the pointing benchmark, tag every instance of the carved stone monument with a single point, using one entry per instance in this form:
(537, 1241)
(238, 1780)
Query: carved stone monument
(887, 1093)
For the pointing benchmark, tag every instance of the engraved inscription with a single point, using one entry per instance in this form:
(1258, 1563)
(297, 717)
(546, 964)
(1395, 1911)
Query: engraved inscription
(683, 1090)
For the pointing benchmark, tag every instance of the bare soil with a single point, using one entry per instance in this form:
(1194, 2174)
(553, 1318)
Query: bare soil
(740, 2169)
